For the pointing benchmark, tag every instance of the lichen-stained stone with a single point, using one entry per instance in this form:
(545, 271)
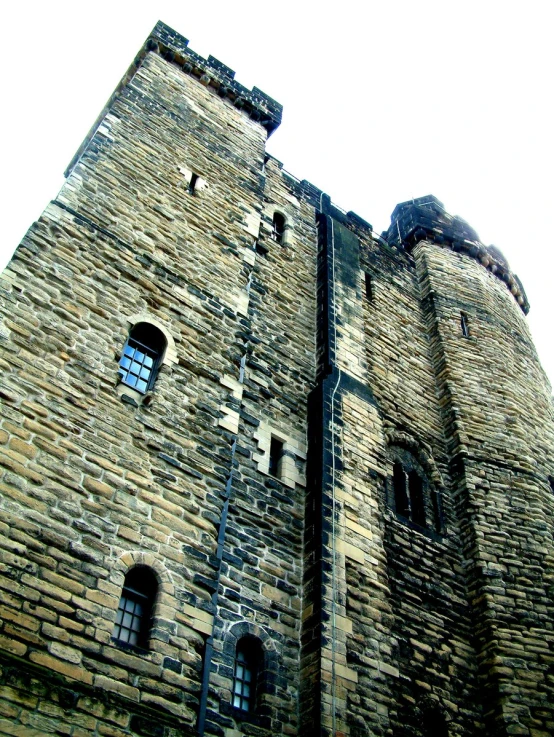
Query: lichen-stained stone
(342, 452)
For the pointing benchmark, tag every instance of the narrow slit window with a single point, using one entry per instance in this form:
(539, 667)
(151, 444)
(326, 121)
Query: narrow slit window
(368, 288)
(417, 504)
(464, 324)
(275, 454)
(401, 501)
(260, 249)
(278, 232)
(551, 482)
(192, 184)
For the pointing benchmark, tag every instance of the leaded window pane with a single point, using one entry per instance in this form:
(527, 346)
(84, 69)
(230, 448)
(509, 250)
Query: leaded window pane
(243, 686)
(129, 619)
(137, 365)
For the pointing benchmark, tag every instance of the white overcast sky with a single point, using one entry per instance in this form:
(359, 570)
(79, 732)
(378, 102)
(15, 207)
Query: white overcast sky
(383, 101)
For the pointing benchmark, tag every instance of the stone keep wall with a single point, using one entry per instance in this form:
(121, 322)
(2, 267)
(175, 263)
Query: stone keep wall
(344, 347)
(94, 485)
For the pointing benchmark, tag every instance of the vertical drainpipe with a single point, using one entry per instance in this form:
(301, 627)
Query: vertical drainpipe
(208, 655)
(330, 377)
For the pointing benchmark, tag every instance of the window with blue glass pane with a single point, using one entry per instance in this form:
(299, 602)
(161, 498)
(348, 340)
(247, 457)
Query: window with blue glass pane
(142, 355)
(133, 619)
(248, 659)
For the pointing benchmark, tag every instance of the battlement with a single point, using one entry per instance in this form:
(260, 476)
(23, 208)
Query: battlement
(212, 73)
(425, 218)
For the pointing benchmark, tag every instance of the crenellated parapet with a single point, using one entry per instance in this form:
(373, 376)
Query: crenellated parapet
(425, 218)
(210, 72)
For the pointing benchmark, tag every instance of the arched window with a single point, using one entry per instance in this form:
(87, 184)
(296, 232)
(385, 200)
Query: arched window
(278, 232)
(142, 356)
(411, 494)
(408, 494)
(134, 613)
(248, 663)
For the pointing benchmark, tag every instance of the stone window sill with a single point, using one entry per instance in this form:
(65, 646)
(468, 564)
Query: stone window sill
(431, 534)
(122, 645)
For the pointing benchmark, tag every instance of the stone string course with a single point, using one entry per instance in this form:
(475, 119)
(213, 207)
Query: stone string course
(370, 625)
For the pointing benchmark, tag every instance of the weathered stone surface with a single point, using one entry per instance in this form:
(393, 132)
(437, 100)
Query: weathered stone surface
(344, 351)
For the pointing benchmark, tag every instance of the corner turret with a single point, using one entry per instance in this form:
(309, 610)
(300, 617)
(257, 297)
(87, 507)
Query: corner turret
(425, 218)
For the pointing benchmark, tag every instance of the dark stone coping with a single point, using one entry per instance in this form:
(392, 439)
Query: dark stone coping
(425, 219)
(174, 48)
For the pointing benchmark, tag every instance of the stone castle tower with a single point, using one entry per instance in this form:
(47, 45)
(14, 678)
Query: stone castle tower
(264, 472)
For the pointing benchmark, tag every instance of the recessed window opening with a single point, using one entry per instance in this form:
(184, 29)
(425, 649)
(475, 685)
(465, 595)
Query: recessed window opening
(551, 482)
(261, 250)
(464, 324)
(192, 184)
(368, 288)
(278, 232)
(401, 501)
(417, 505)
(134, 613)
(275, 453)
(409, 498)
(248, 659)
(434, 724)
(142, 355)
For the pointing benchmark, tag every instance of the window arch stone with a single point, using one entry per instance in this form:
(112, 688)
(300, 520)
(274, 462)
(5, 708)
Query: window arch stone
(164, 608)
(267, 669)
(170, 356)
(414, 485)
(128, 560)
(164, 357)
(270, 211)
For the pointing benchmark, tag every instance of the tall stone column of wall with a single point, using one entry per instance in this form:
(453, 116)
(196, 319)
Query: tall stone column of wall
(394, 626)
(261, 585)
(500, 415)
(430, 624)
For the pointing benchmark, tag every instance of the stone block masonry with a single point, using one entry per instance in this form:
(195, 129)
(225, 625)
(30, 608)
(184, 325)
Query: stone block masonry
(341, 495)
